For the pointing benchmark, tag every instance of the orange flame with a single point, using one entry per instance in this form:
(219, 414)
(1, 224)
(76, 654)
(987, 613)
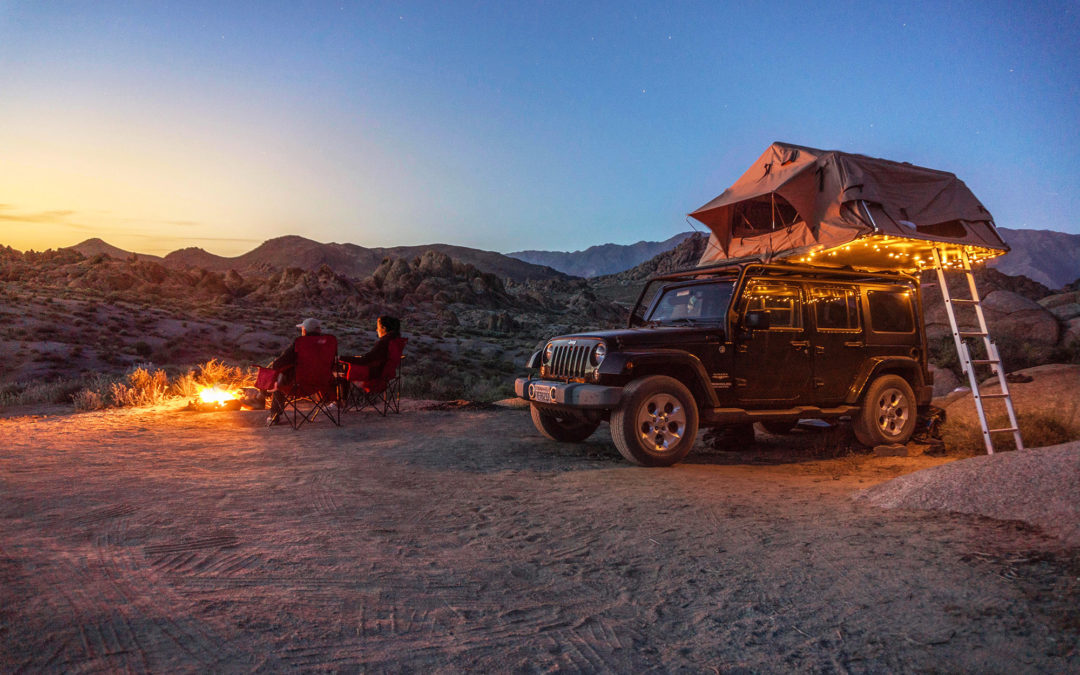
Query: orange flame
(215, 395)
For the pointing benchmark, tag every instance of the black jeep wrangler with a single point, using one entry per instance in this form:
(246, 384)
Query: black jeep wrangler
(741, 343)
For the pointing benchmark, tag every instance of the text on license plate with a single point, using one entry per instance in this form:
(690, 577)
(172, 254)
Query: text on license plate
(541, 393)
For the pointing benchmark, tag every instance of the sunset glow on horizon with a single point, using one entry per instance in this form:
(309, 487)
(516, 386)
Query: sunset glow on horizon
(157, 126)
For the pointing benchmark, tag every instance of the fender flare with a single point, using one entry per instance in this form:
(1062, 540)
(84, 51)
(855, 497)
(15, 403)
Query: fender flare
(873, 366)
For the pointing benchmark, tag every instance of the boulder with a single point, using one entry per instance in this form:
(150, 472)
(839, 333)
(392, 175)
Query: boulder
(500, 322)
(1052, 388)
(436, 264)
(1012, 316)
(1064, 306)
(944, 380)
(1071, 333)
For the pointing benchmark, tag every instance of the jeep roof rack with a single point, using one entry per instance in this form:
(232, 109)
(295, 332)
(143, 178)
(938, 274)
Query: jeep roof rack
(737, 266)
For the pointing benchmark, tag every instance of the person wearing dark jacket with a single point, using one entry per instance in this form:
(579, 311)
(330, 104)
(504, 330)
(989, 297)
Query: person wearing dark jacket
(371, 364)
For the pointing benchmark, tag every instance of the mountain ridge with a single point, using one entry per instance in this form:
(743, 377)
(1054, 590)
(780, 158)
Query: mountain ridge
(1049, 257)
(602, 259)
(350, 259)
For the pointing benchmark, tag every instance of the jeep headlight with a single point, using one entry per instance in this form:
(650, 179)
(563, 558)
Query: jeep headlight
(548, 351)
(599, 352)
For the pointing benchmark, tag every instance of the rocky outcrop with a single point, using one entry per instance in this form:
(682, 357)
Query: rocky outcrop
(1051, 389)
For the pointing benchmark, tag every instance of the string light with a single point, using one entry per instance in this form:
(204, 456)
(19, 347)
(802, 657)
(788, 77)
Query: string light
(899, 253)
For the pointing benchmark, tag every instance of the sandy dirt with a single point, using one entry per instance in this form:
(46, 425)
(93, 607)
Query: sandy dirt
(460, 540)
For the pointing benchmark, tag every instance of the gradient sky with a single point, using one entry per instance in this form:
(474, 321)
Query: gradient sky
(505, 125)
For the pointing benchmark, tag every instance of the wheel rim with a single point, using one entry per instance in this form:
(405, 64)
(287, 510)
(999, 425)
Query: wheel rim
(661, 422)
(893, 412)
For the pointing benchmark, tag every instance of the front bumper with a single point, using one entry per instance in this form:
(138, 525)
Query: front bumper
(572, 394)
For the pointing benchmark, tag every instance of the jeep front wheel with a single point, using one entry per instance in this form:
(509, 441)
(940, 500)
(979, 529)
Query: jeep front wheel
(888, 412)
(656, 422)
(564, 428)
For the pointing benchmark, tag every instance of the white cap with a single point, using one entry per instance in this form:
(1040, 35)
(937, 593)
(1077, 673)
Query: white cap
(309, 325)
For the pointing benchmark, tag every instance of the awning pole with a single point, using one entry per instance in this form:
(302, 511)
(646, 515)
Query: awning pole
(867, 209)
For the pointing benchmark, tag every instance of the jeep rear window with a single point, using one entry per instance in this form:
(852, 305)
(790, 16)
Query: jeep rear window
(693, 303)
(890, 311)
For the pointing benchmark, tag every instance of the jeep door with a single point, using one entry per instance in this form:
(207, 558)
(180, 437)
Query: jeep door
(838, 341)
(772, 366)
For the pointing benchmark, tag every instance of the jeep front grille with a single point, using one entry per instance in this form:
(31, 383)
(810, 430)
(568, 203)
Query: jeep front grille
(569, 360)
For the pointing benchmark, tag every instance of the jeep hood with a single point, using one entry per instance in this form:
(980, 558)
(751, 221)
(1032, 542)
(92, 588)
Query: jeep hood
(658, 336)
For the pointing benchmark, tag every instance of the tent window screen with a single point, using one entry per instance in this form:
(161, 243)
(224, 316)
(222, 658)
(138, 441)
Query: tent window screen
(761, 215)
(835, 309)
(781, 301)
(890, 311)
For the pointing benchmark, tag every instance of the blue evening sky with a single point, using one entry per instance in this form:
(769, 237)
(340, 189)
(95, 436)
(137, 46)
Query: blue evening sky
(505, 125)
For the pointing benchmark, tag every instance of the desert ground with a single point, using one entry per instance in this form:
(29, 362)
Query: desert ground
(451, 539)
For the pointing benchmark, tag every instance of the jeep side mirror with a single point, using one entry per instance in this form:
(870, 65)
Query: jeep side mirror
(756, 319)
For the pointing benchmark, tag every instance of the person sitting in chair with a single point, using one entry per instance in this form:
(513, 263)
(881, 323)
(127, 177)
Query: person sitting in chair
(371, 364)
(309, 326)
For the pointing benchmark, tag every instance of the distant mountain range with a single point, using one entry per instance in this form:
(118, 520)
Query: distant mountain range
(1051, 258)
(597, 261)
(348, 259)
(1048, 257)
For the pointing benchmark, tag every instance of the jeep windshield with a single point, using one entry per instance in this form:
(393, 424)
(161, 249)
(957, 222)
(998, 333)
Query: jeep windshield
(691, 304)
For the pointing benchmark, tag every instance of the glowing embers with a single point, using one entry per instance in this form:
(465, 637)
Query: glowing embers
(883, 252)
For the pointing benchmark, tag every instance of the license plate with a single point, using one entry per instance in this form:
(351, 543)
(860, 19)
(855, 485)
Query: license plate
(540, 393)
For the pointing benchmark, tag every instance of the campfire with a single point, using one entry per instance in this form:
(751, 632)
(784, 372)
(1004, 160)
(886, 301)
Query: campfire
(213, 398)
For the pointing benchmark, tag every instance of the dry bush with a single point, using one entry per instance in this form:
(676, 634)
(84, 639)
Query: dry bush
(1036, 429)
(143, 387)
(88, 399)
(57, 390)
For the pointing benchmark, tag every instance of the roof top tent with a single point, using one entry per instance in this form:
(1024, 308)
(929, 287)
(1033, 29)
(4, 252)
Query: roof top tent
(836, 208)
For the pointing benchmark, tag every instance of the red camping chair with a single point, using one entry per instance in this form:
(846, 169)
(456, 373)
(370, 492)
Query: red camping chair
(382, 391)
(314, 386)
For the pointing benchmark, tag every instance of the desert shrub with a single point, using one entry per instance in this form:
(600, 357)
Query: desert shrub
(88, 399)
(142, 348)
(942, 353)
(55, 390)
(1037, 430)
(1066, 353)
(143, 387)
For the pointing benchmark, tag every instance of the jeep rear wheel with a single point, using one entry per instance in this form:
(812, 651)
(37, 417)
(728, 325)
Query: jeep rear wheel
(656, 422)
(562, 427)
(888, 412)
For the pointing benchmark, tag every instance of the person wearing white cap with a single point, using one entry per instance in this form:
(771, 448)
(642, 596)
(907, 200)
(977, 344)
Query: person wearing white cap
(309, 326)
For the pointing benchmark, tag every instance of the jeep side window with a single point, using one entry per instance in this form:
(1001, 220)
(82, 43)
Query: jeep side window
(780, 301)
(890, 311)
(835, 308)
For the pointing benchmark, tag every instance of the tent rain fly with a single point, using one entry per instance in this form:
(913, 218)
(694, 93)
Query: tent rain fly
(836, 208)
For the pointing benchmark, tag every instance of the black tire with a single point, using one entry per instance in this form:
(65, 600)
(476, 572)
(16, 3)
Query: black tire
(656, 423)
(888, 412)
(563, 428)
(780, 428)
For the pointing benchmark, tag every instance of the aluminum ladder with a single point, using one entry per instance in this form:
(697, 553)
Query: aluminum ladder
(968, 364)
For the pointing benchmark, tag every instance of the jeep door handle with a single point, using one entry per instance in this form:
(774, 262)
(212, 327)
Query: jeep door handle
(854, 343)
(800, 344)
